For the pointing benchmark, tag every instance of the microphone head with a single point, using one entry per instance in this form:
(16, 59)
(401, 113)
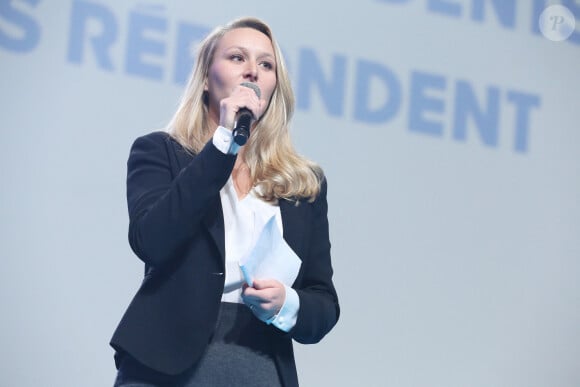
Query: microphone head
(252, 86)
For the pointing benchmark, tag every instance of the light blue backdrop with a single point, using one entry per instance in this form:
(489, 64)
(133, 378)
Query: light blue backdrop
(449, 131)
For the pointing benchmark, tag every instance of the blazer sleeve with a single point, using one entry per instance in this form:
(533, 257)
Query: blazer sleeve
(319, 309)
(166, 204)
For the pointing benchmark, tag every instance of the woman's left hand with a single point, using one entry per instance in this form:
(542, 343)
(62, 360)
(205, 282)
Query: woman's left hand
(265, 298)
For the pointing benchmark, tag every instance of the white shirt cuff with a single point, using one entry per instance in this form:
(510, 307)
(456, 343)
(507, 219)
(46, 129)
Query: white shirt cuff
(286, 317)
(224, 141)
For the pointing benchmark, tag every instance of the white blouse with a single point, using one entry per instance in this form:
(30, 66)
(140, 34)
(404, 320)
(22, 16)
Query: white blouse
(243, 221)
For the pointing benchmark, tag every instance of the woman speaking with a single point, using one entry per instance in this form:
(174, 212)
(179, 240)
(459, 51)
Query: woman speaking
(199, 197)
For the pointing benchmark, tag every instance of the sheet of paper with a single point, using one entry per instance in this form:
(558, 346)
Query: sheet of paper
(271, 258)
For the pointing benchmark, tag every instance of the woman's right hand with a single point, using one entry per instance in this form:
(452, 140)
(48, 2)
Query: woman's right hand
(241, 97)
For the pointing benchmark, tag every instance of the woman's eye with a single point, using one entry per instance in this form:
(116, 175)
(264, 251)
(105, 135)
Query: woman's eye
(267, 65)
(236, 58)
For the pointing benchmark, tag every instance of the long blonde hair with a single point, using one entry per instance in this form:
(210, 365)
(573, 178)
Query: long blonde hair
(274, 164)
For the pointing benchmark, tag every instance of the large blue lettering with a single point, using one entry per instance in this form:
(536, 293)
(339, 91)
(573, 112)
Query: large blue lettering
(83, 13)
(445, 7)
(466, 106)
(538, 8)
(311, 74)
(366, 72)
(186, 35)
(421, 103)
(138, 45)
(377, 90)
(505, 10)
(30, 28)
(523, 103)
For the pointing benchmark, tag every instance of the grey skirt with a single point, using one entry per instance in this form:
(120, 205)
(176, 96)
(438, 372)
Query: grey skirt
(239, 354)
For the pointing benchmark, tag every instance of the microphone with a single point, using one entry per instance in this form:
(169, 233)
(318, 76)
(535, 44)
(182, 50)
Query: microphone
(244, 118)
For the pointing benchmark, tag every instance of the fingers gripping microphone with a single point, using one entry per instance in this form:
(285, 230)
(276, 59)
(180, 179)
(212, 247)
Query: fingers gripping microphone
(244, 118)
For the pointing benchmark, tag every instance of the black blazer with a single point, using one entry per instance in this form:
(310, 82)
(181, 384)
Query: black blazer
(176, 227)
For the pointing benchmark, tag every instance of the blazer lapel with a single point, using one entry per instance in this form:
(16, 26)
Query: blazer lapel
(293, 223)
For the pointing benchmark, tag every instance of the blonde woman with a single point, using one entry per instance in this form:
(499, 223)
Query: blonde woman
(197, 202)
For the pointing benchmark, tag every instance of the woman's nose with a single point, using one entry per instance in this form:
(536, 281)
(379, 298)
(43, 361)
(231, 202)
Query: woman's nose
(251, 71)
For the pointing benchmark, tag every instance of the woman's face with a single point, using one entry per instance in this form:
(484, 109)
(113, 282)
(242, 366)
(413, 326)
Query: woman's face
(242, 55)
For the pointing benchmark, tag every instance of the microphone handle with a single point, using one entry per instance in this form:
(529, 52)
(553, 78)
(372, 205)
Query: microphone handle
(241, 131)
